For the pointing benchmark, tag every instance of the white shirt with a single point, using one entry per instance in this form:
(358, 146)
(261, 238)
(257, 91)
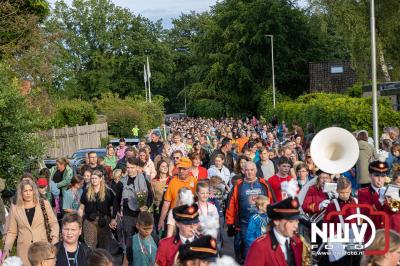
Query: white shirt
(282, 242)
(381, 193)
(183, 239)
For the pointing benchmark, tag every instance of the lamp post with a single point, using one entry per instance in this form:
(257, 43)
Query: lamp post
(373, 72)
(272, 62)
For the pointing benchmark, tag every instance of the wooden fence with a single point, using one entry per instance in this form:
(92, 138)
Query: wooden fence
(65, 141)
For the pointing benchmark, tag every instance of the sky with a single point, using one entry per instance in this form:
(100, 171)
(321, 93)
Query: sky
(161, 9)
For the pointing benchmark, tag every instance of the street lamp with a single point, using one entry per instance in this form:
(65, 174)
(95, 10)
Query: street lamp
(374, 85)
(272, 62)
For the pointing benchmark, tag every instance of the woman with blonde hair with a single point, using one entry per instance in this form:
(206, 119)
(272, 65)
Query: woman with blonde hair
(95, 207)
(31, 220)
(391, 258)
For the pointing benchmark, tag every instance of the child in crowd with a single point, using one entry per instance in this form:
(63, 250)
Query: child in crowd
(144, 248)
(237, 243)
(87, 173)
(42, 253)
(207, 210)
(258, 222)
(338, 256)
(203, 192)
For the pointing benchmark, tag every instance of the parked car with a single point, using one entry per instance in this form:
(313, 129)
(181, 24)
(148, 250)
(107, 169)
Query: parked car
(129, 142)
(78, 158)
(49, 163)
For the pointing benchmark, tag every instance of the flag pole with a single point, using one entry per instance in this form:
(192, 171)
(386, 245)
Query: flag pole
(145, 79)
(148, 78)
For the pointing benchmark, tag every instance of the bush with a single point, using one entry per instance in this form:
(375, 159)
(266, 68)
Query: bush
(123, 114)
(72, 113)
(206, 108)
(265, 107)
(19, 146)
(325, 110)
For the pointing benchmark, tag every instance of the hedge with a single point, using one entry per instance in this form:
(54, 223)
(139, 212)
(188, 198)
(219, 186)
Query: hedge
(325, 110)
(72, 113)
(123, 114)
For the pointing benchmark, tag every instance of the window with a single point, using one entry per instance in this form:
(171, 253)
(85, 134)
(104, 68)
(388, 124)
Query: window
(336, 69)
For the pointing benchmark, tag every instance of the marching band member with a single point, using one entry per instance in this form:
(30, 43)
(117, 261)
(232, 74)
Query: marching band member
(187, 219)
(337, 205)
(373, 195)
(280, 246)
(316, 200)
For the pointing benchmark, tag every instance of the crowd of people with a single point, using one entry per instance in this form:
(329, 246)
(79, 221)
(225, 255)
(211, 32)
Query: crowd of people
(177, 198)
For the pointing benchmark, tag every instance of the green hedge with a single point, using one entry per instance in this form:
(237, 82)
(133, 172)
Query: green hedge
(325, 110)
(123, 114)
(72, 113)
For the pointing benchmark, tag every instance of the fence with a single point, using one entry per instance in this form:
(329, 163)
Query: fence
(65, 141)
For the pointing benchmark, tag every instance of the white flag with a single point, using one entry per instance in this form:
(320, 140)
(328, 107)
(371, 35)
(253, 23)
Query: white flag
(144, 73)
(148, 69)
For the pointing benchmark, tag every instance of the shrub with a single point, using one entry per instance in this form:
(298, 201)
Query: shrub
(73, 112)
(123, 114)
(325, 110)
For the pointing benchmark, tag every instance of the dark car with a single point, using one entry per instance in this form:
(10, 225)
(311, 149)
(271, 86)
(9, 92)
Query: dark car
(78, 158)
(129, 142)
(49, 163)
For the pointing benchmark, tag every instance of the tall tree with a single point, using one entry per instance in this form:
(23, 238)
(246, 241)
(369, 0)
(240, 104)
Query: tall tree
(351, 21)
(102, 48)
(233, 56)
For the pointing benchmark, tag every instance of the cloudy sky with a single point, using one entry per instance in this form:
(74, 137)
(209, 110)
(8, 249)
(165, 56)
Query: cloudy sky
(162, 9)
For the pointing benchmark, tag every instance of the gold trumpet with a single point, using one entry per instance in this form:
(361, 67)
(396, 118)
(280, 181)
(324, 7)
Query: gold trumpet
(394, 205)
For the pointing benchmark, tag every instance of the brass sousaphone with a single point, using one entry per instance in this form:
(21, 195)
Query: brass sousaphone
(333, 150)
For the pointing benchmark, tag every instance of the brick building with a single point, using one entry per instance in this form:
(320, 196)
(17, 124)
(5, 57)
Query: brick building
(335, 76)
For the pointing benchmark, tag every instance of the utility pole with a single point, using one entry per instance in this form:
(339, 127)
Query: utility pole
(273, 67)
(374, 83)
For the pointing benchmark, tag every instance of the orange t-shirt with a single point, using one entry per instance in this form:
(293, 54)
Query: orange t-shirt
(176, 183)
(241, 142)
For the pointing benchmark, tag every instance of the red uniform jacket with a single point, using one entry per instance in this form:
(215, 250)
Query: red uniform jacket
(313, 198)
(167, 249)
(266, 251)
(275, 182)
(395, 222)
(335, 218)
(369, 196)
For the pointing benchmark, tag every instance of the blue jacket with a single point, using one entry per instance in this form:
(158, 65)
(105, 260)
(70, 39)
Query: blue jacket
(390, 160)
(256, 228)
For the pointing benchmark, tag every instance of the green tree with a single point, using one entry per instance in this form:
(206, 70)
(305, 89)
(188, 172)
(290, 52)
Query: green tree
(23, 44)
(102, 48)
(350, 20)
(232, 55)
(19, 146)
